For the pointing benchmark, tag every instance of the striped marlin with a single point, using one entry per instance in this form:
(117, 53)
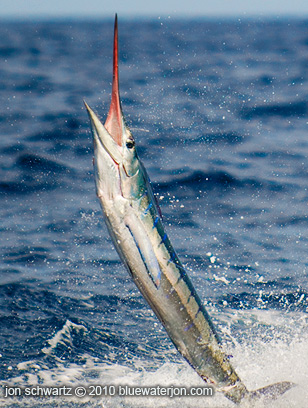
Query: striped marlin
(136, 228)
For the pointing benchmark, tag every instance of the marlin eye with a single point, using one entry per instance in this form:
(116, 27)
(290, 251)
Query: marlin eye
(130, 144)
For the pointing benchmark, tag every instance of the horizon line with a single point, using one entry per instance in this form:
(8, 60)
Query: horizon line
(147, 16)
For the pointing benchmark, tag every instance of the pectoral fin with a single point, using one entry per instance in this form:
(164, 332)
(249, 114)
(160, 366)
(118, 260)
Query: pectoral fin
(145, 248)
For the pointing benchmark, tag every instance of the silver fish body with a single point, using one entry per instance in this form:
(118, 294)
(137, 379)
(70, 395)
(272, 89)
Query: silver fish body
(147, 253)
(135, 225)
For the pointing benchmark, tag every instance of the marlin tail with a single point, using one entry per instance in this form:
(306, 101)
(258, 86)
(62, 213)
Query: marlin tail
(135, 225)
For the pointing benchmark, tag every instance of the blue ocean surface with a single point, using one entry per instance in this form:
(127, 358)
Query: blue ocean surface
(219, 111)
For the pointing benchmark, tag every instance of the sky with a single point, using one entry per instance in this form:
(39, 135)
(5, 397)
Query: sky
(21, 9)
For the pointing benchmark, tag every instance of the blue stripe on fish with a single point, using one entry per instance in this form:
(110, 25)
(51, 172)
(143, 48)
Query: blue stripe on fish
(172, 258)
(155, 222)
(189, 327)
(163, 239)
(148, 208)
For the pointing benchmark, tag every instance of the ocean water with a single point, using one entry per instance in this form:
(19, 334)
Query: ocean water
(219, 110)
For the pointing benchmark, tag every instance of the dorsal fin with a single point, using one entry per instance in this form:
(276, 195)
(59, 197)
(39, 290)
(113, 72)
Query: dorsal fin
(114, 121)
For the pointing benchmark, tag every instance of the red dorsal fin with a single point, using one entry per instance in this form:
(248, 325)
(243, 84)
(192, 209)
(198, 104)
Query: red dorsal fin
(114, 122)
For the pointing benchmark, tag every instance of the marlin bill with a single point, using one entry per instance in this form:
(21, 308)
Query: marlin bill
(135, 225)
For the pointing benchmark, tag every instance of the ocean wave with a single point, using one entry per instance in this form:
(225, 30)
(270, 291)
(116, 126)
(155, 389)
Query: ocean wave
(231, 138)
(26, 255)
(283, 109)
(32, 162)
(32, 173)
(297, 301)
(224, 180)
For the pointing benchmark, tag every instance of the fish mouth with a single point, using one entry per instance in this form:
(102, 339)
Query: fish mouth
(112, 134)
(103, 137)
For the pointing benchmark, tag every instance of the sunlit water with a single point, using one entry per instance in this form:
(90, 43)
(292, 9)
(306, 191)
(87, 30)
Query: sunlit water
(219, 111)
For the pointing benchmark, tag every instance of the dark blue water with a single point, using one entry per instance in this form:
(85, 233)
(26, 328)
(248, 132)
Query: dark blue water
(219, 110)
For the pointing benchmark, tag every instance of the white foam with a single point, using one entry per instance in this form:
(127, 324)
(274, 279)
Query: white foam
(272, 347)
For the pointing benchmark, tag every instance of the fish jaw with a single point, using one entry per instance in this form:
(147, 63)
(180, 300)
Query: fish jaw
(103, 137)
(106, 160)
